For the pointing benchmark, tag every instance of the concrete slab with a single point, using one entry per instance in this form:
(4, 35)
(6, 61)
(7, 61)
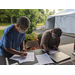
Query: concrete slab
(66, 40)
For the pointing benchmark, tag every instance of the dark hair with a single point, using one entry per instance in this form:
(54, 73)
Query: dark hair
(23, 21)
(57, 31)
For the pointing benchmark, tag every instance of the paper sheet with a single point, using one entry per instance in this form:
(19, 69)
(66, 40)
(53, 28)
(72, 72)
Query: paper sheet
(21, 59)
(44, 59)
(50, 51)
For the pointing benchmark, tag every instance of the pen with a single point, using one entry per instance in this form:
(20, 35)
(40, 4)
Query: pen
(7, 63)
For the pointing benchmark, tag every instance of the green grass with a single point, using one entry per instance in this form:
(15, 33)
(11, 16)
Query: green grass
(5, 24)
(38, 24)
(1, 32)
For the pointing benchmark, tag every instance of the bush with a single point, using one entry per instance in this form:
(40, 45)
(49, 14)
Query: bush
(31, 28)
(30, 37)
(39, 36)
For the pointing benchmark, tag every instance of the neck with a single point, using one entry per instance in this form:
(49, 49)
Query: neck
(15, 27)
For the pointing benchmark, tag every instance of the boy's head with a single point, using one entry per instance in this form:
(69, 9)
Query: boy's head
(23, 23)
(57, 32)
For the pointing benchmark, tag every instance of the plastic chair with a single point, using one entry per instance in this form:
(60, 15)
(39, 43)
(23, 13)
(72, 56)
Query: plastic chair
(30, 44)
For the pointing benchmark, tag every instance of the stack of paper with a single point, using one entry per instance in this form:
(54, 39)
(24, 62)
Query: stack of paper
(50, 51)
(44, 59)
(21, 59)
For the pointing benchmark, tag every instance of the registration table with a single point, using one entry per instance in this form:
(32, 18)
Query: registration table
(67, 49)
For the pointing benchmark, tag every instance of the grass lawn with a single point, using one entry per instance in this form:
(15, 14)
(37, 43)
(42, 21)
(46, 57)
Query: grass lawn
(5, 24)
(1, 32)
(38, 24)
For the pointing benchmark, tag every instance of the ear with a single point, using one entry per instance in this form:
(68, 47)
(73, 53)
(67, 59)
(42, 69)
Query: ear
(17, 25)
(52, 31)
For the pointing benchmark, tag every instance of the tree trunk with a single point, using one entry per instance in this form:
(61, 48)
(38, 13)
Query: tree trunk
(11, 19)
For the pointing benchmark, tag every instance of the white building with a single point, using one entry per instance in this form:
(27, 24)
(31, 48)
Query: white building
(64, 20)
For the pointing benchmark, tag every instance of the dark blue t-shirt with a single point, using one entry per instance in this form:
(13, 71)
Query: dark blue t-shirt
(10, 38)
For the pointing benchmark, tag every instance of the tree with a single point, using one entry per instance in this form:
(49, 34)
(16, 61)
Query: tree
(2, 14)
(48, 12)
(41, 10)
(53, 11)
(32, 14)
(40, 18)
(12, 13)
(60, 9)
